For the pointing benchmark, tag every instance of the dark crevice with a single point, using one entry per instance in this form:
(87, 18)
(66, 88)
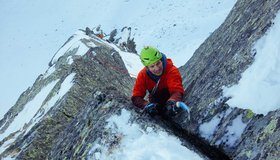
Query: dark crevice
(67, 115)
(196, 143)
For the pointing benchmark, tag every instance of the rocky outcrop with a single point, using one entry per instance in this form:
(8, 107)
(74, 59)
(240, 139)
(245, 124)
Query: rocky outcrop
(122, 38)
(219, 62)
(81, 73)
(64, 115)
(69, 105)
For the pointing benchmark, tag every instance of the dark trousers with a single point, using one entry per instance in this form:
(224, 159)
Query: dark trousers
(160, 97)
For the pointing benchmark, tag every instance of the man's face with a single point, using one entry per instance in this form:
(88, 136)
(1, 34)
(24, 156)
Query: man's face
(156, 68)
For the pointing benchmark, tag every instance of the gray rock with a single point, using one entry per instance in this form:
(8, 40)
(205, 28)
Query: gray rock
(95, 83)
(219, 62)
(76, 122)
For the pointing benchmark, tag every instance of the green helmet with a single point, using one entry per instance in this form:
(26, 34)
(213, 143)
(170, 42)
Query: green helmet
(149, 55)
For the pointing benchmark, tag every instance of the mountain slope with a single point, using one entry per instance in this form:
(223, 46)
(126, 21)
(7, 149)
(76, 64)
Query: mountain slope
(27, 44)
(60, 94)
(67, 112)
(219, 62)
(87, 84)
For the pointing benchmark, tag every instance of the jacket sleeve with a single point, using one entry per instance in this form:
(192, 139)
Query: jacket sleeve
(175, 86)
(139, 90)
(176, 96)
(139, 102)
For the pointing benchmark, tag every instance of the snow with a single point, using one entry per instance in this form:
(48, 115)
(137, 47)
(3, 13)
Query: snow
(83, 48)
(64, 88)
(132, 61)
(207, 129)
(73, 43)
(8, 158)
(27, 44)
(260, 83)
(7, 143)
(233, 132)
(29, 111)
(138, 144)
(176, 28)
(49, 71)
(66, 85)
(70, 60)
(33, 112)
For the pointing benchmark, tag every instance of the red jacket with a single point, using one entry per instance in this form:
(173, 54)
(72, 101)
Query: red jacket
(170, 86)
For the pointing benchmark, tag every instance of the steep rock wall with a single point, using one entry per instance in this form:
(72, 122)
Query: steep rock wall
(219, 62)
(93, 84)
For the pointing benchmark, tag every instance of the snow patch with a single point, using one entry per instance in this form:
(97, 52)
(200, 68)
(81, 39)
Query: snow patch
(7, 143)
(64, 88)
(131, 60)
(233, 132)
(49, 71)
(260, 83)
(82, 48)
(138, 144)
(69, 60)
(207, 129)
(73, 43)
(29, 111)
(90, 44)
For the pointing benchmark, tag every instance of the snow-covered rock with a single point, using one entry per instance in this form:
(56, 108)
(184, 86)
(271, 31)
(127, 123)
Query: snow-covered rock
(80, 109)
(218, 63)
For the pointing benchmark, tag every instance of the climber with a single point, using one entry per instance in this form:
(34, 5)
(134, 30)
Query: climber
(163, 82)
(99, 32)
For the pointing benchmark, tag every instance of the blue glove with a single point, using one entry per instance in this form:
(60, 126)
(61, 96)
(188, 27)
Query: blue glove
(151, 109)
(185, 108)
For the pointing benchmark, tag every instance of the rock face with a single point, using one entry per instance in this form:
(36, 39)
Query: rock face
(219, 62)
(122, 38)
(64, 115)
(84, 67)
(87, 82)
